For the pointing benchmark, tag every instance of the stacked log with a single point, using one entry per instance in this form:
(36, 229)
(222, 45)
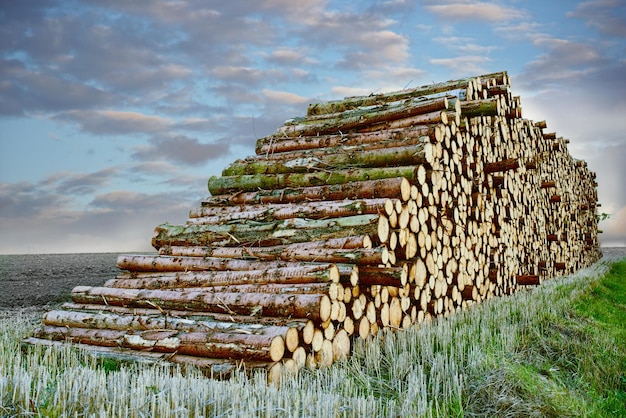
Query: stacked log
(369, 213)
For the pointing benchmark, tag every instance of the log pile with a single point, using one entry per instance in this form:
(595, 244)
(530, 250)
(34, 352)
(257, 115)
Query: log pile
(368, 213)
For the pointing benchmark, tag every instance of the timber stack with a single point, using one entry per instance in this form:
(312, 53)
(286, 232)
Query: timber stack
(369, 213)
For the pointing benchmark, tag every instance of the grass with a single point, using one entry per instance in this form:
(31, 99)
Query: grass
(556, 350)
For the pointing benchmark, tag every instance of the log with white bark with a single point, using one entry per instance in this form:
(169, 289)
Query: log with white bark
(316, 307)
(201, 344)
(270, 212)
(254, 233)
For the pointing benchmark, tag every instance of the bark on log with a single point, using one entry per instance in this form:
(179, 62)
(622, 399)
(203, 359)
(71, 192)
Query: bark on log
(270, 212)
(132, 321)
(181, 274)
(484, 107)
(293, 252)
(279, 144)
(252, 233)
(151, 263)
(315, 307)
(213, 368)
(377, 99)
(202, 344)
(185, 314)
(354, 119)
(421, 153)
(371, 189)
(499, 166)
(247, 183)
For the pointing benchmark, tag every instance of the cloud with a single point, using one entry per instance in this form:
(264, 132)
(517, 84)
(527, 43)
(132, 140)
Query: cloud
(469, 64)
(179, 149)
(284, 97)
(562, 61)
(607, 16)
(113, 122)
(481, 11)
(289, 57)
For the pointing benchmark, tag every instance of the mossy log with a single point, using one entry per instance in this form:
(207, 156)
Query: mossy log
(269, 212)
(484, 107)
(252, 233)
(247, 183)
(457, 87)
(358, 118)
(315, 307)
(421, 153)
(369, 189)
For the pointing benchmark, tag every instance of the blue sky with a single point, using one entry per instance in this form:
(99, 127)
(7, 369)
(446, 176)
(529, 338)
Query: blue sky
(114, 114)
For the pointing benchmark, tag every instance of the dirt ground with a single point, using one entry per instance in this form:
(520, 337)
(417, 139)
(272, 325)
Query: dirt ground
(47, 279)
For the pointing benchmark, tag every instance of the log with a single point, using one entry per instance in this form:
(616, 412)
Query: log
(499, 166)
(371, 189)
(346, 243)
(419, 133)
(292, 252)
(421, 153)
(378, 99)
(270, 212)
(528, 279)
(201, 344)
(302, 273)
(213, 368)
(247, 183)
(127, 321)
(253, 233)
(484, 107)
(354, 119)
(315, 307)
(191, 315)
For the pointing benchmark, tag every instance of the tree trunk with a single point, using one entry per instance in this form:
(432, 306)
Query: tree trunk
(134, 321)
(421, 153)
(354, 119)
(315, 307)
(188, 315)
(149, 263)
(419, 133)
(321, 273)
(214, 368)
(248, 183)
(378, 99)
(252, 233)
(484, 107)
(218, 215)
(202, 344)
(371, 189)
(293, 252)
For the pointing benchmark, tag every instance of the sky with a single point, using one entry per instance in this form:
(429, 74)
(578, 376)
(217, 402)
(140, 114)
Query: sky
(114, 114)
